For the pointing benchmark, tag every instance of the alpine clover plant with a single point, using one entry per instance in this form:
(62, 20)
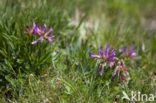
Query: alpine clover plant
(19, 57)
(114, 62)
(43, 34)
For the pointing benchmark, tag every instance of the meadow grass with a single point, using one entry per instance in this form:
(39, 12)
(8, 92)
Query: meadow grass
(63, 71)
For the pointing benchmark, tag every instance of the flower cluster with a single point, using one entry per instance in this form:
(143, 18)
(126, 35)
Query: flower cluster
(43, 33)
(109, 58)
(128, 51)
(105, 56)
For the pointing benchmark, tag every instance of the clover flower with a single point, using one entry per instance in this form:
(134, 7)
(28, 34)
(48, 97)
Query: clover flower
(30, 30)
(105, 55)
(43, 34)
(105, 58)
(128, 51)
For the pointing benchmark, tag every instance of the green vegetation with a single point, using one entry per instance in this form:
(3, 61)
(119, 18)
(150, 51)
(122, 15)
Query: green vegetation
(63, 71)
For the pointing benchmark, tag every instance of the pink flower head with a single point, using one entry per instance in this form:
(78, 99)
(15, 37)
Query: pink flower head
(128, 51)
(108, 57)
(30, 30)
(43, 34)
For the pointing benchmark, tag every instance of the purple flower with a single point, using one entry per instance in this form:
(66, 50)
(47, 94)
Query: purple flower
(30, 30)
(108, 57)
(43, 34)
(128, 51)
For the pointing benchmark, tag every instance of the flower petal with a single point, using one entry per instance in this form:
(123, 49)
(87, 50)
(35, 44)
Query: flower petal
(111, 57)
(133, 54)
(34, 25)
(114, 73)
(112, 53)
(39, 26)
(50, 40)
(38, 30)
(122, 49)
(106, 51)
(34, 31)
(44, 27)
(111, 64)
(34, 42)
(93, 55)
(50, 37)
(100, 52)
(50, 30)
